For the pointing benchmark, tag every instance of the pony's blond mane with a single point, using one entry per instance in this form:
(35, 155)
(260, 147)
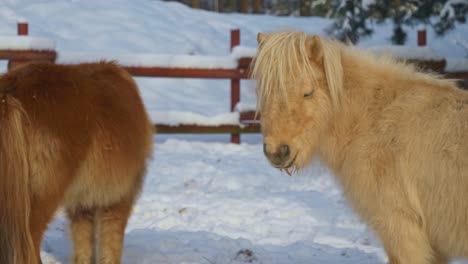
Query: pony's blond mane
(395, 66)
(283, 59)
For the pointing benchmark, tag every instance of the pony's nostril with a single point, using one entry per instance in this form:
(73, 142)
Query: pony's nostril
(279, 155)
(284, 151)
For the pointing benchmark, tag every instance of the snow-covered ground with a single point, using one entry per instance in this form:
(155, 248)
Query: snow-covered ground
(205, 200)
(209, 202)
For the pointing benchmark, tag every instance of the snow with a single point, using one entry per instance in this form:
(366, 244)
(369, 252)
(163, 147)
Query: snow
(25, 43)
(152, 60)
(457, 65)
(244, 52)
(367, 3)
(204, 203)
(448, 9)
(245, 107)
(462, 43)
(205, 200)
(417, 53)
(174, 118)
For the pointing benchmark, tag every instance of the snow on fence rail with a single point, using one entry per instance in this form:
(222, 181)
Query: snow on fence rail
(22, 49)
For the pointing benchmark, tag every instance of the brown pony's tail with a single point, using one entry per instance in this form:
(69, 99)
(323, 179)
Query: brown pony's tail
(16, 245)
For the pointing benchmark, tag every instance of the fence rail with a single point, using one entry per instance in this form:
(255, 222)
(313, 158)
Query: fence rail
(187, 73)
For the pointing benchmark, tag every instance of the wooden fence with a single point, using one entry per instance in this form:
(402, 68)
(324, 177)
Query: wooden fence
(246, 123)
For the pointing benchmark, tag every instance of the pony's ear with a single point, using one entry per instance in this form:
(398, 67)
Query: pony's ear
(314, 47)
(260, 37)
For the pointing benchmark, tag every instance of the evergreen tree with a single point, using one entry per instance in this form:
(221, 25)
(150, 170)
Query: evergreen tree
(351, 20)
(322, 8)
(283, 7)
(400, 13)
(352, 16)
(453, 11)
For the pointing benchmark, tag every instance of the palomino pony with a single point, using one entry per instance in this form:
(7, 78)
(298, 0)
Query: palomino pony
(76, 136)
(396, 138)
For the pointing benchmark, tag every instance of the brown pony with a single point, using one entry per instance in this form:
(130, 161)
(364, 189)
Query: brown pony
(396, 138)
(76, 136)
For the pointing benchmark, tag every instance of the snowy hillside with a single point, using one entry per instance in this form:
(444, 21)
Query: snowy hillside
(206, 201)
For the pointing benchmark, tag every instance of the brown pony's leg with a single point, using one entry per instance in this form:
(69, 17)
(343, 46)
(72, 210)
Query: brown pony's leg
(82, 234)
(111, 222)
(42, 211)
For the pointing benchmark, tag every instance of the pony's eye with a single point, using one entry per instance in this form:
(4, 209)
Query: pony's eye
(308, 94)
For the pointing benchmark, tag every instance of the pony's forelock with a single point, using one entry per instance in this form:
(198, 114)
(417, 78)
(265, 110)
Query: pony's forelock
(282, 59)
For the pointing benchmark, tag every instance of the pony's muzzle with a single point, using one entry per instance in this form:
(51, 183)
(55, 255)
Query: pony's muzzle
(279, 156)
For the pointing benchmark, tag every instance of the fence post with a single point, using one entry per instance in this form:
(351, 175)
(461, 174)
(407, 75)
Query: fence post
(22, 29)
(235, 83)
(422, 37)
